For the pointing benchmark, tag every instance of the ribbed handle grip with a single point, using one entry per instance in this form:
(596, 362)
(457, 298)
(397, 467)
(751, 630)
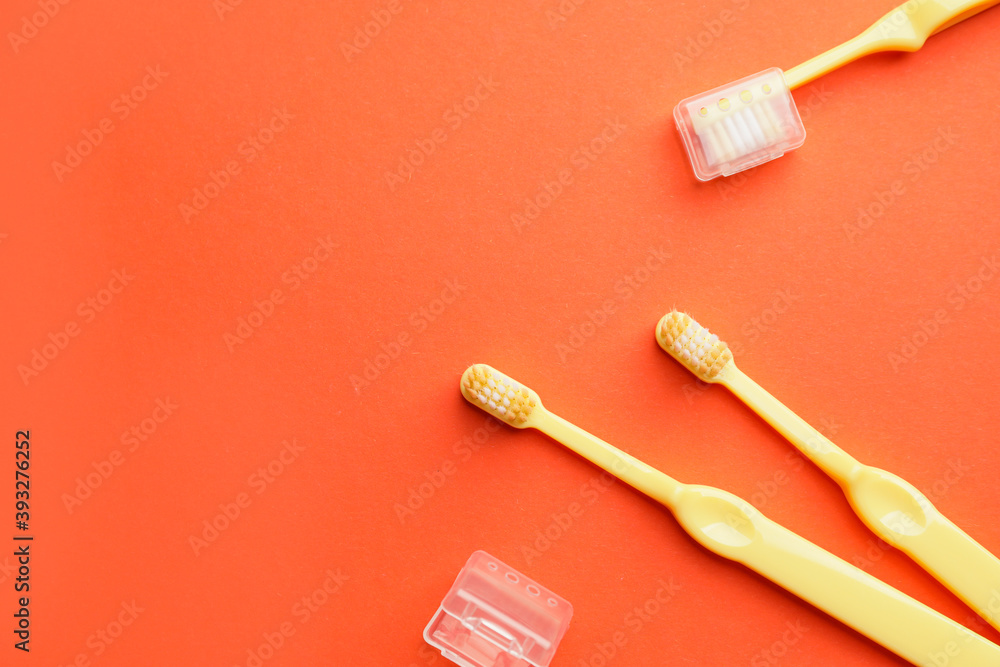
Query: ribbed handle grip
(732, 528)
(905, 518)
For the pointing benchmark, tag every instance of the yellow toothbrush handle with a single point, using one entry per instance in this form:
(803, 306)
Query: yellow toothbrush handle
(732, 528)
(643, 477)
(905, 28)
(890, 506)
(905, 518)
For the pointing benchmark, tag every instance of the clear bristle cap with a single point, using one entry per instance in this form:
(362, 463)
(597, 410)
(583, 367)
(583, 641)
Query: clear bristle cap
(739, 125)
(495, 616)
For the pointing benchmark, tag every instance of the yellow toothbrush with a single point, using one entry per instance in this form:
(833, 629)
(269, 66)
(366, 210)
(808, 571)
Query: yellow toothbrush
(751, 121)
(891, 507)
(732, 528)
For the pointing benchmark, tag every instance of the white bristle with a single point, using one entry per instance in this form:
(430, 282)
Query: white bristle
(773, 117)
(728, 150)
(741, 132)
(499, 395)
(705, 355)
(755, 129)
(745, 134)
(734, 135)
(770, 132)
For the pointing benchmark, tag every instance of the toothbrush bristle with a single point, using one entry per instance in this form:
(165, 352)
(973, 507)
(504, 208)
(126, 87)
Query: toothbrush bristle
(693, 345)
(739, 125)
(492, 391)
(741, 133)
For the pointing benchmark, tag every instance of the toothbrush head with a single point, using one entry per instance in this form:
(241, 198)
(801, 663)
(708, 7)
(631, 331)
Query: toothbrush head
(739, 125)
(698, 349)
(492, 391)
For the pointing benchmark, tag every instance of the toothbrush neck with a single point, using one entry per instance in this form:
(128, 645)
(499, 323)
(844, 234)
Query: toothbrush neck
(645, 478)
(833, 59)
(834, 461)
(904, 28)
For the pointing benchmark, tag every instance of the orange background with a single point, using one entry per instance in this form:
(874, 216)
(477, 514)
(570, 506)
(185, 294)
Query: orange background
(816, 298)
